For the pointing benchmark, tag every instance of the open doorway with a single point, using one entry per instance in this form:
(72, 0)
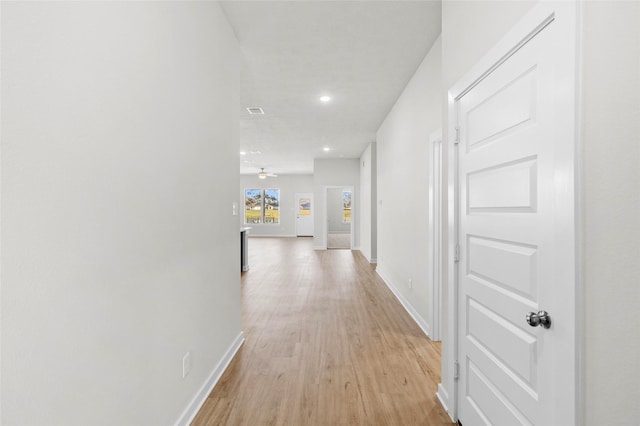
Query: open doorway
(339, 218)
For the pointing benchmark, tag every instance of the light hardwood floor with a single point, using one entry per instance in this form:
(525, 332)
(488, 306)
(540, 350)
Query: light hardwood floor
(339, 241)
(326, 344)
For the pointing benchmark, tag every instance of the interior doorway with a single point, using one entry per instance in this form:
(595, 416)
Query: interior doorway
(339, 204)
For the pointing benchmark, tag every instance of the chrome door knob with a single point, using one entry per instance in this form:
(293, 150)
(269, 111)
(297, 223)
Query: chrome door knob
(542, 319)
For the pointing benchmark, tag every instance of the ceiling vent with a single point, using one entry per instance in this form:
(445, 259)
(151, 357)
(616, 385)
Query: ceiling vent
(255, 110)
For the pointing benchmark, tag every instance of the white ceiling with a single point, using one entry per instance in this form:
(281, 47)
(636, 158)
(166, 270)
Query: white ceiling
(361, 53)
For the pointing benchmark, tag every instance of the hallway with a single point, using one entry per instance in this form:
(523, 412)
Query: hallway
(326, 344)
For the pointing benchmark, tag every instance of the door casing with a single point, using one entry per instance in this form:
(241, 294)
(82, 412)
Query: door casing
(435, 230)
(570, 11)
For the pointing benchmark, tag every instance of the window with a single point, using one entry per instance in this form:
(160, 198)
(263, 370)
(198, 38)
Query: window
(304, 207)
(346, 209)
(261, 206)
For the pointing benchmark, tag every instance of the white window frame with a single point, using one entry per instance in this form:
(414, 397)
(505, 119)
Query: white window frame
(263, 209)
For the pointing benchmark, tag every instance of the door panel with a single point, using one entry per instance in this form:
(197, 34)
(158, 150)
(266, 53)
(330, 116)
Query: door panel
(504, 187)
(489, 120)
(507, 265)
(510, 156)
(483, 393)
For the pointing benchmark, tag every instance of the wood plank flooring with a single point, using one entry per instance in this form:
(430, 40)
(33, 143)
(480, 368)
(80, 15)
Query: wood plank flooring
(339, 241)
(326, 344)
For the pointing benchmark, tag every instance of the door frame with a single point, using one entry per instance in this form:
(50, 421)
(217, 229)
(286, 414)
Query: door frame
(325, 190)
(532, 23)
(435, 231)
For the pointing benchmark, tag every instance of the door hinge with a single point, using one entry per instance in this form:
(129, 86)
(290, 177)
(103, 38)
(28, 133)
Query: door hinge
(456, 255)
(457, 140)
(456, 370)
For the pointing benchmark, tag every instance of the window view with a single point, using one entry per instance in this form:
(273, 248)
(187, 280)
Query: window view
(262, 206)
(346, 210)
(304, 209)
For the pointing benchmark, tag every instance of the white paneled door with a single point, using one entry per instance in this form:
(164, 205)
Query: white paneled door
(516, 237)
(304, 214)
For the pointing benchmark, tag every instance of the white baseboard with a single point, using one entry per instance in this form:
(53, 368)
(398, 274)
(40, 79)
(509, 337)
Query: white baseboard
(201, 397)
(366, 256)
(443, 397)
(319, 248)
(270, 236)
(424, 326)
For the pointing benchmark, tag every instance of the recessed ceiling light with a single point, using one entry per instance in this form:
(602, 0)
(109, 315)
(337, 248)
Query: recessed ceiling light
(325, 98)
(326, 149)
(243, 152)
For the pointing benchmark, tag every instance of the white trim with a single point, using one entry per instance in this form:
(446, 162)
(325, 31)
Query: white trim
(449, 384)
(1, 330)
(443, 397)
(271, 236)
(580, 314)
(424, 326)
(201, 397)
(435, 231)
(372, 261)
(524, 30)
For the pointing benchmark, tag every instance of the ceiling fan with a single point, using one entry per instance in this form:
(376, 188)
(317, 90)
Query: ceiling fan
(263, 175)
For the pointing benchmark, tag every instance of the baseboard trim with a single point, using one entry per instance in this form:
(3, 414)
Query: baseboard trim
(201, 397)
(443, 397)
(366, 256)
(424, 326)
(270, 236)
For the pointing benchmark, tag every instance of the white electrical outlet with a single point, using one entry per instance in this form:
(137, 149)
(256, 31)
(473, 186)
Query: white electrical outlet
(410, 283)
(186, 365)
(235, 208)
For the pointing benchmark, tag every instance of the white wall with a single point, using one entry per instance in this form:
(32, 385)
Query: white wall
(403, 187)
(342, 173)
(120, 251)
(288, 186)
(611, 267)
(368, 206)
